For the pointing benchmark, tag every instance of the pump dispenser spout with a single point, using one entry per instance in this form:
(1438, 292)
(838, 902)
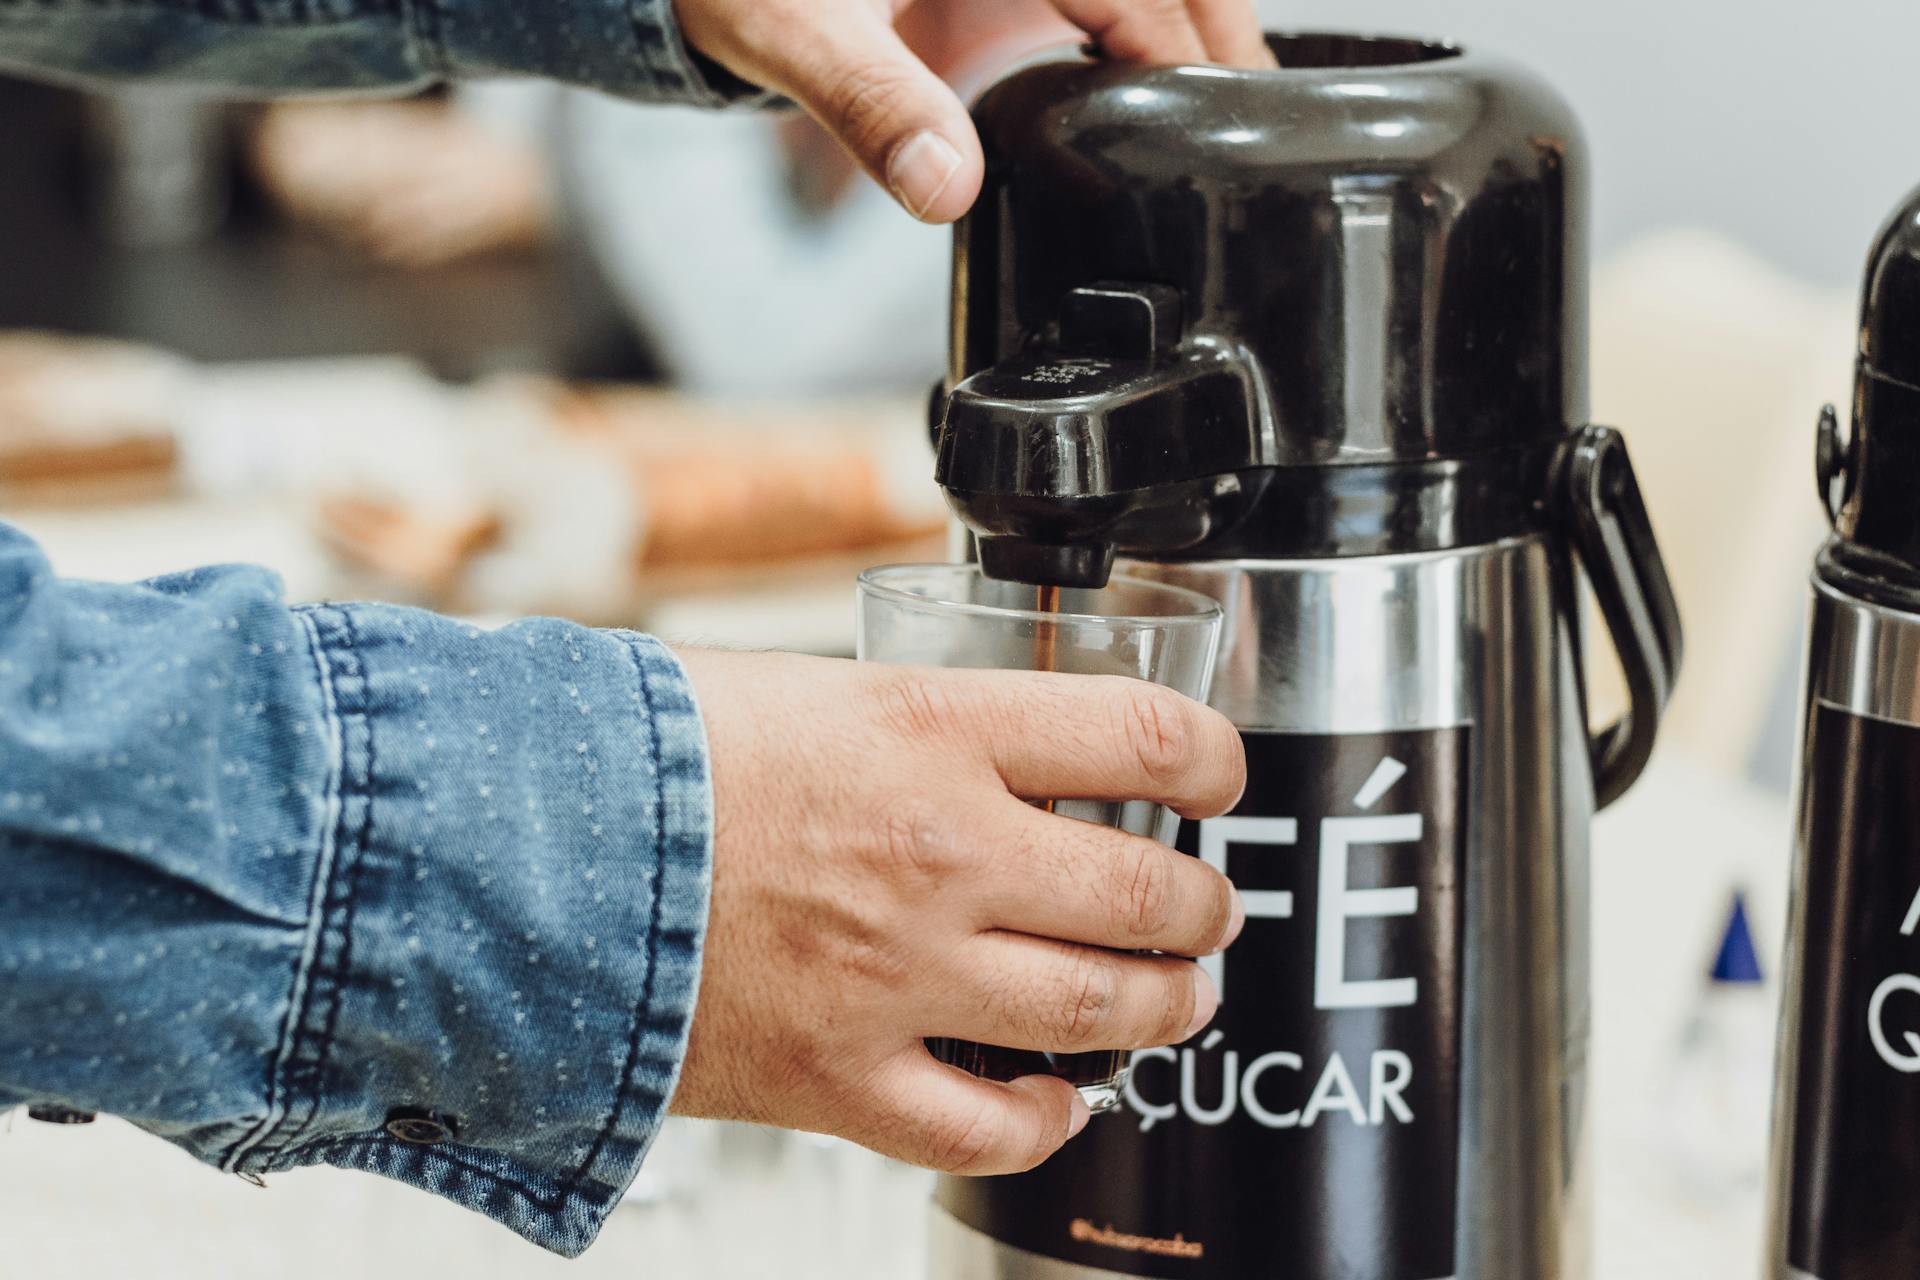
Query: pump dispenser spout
(1109, 435)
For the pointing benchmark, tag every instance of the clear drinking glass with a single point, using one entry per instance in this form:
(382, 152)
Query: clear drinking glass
(952, 615)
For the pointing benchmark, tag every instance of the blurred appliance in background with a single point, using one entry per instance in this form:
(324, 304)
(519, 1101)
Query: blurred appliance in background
(130, 218)
(1846, 1143)
(160, 166)
(1314, 342)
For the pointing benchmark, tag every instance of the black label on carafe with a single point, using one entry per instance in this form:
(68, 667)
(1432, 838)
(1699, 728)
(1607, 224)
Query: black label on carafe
(1855, 1174)
(1311, 1131)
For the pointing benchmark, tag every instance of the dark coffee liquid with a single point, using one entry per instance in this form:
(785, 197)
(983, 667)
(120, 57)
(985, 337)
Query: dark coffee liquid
(991, 1062)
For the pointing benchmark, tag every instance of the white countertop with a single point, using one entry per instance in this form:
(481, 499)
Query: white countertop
(104, 1201)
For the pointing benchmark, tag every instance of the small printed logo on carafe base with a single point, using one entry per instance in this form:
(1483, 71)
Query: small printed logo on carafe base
(1177, 1247)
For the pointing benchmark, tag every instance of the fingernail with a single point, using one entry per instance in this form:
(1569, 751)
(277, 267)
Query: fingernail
(920, 169)
(1206, 1003)
(1077, 1118)
(1235, 923)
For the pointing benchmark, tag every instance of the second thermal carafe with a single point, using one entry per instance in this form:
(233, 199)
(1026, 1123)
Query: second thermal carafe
(1313, 341)
(1846, 1153)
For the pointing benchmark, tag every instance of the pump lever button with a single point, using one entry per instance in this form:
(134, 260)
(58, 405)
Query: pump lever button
(1120, 321)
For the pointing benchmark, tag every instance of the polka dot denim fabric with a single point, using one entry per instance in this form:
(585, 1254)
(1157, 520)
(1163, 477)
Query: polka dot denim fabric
(628, 47)
(349, 884)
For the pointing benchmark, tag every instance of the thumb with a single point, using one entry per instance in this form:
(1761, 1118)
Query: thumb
(853, 74)
(941, 1118)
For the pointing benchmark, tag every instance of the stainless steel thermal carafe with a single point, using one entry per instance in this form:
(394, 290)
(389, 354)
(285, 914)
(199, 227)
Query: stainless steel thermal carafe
(1313, 341)
(1846, 1136)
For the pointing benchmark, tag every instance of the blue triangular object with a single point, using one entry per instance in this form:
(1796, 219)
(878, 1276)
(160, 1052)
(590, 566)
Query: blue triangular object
(1737, 961)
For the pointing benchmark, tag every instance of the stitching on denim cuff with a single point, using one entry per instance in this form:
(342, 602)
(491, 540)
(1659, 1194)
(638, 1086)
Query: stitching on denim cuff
(303, 1074)
(664, 721)
(322, 1148)
(556, 1204)
(254, 1136)
(347, 874)
(643, 1009)
(568, 1189)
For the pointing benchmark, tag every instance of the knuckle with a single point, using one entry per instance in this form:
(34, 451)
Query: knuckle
(1089, 993)
(1143, 907)
(964, 1143)
(915, 843)
(1006, 711)
(1180, 1000)
(1197, 908)
(1160, 733)
(1222, 913)
(916, 703)
(866, 103)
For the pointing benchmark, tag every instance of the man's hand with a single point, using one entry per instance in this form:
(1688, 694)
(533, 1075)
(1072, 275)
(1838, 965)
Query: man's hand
(878, 879)
(846, 64)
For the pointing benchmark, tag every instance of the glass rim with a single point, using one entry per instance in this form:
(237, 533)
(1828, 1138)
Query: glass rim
(1203, 610)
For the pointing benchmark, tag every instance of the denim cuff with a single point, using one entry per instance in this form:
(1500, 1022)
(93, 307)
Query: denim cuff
(632, 48)
(508, 906)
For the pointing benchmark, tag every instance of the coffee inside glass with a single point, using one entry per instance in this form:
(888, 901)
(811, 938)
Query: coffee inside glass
(952, 615)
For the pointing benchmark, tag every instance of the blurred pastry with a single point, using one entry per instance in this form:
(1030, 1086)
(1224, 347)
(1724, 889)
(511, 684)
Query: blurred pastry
(592, 501)
(86, 419)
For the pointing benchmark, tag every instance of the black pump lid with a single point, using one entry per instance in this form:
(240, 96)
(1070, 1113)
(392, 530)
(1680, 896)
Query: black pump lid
(1870, 479)
(1200, 310)
(1393, 231)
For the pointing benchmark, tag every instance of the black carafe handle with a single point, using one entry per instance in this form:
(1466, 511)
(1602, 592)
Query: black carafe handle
(1608, 525)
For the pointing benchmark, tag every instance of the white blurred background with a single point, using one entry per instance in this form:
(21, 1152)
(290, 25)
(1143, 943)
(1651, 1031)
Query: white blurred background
(1782, 127)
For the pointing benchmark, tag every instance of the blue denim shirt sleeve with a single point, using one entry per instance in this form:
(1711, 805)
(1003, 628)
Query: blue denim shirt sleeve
(271, 878)
(260, 47)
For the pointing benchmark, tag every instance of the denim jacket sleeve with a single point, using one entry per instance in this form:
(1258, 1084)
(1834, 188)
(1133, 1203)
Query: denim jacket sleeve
(348, 884)
(262, 47)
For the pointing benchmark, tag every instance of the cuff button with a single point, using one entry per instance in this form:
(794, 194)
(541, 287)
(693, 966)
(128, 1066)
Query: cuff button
(420, 1127)
(47, 1113)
